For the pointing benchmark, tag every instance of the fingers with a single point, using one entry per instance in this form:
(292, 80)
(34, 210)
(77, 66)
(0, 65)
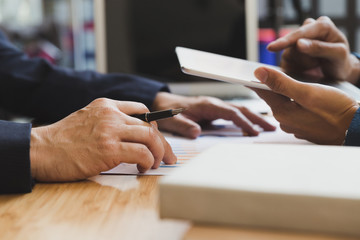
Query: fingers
(282, 84)
(181, 125)
(274, 100)
(316, 48)
(169, 156)
(209, 109)
(216, 109)
(320, 29)
(126, 107)
(241, 121)
(256, 119)
(152, 139)
(237, 116)
(126, 129)
(136, 153)
(308, 21)
(292, 60)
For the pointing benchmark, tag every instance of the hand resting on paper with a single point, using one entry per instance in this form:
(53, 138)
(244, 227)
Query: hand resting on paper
(95, 139)
(206, 109)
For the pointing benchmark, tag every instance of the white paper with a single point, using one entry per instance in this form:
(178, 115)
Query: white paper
(186, 149)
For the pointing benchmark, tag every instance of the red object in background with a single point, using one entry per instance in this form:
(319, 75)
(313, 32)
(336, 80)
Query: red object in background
(266, 36)
(45, 50)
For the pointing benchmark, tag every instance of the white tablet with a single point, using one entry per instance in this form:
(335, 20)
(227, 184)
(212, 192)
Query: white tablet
(219, 67)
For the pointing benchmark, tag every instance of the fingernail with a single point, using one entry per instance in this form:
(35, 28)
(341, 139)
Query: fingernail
(269, 45)
(261, 74)
(304, 43)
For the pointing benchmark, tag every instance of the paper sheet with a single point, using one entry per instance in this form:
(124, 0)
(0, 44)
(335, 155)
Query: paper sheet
(226, 132)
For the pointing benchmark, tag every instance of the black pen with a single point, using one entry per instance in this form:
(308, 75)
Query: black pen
(154, 116)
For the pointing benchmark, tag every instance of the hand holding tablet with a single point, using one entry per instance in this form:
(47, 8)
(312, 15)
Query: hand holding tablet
(219, 67)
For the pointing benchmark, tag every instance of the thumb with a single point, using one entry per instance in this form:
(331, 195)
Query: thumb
(282, 84)
(316, 48)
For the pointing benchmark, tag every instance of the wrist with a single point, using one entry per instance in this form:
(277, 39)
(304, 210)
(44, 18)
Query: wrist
(165, 100)
(36, 141)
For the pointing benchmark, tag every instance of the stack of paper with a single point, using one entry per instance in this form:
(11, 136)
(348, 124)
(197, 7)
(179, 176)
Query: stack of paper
(298, 187)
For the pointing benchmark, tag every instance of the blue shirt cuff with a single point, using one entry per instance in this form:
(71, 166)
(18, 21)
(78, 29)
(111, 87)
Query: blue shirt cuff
(353, 134)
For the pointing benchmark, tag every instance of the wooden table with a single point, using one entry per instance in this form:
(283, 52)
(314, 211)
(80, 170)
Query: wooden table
(110, 207)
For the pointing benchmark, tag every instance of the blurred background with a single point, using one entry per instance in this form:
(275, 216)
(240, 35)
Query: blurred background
(63, 31)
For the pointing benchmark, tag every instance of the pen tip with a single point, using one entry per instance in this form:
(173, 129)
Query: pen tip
(177, 111)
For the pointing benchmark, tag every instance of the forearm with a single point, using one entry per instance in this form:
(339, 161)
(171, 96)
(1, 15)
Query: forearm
(65, 91)
(35, 88)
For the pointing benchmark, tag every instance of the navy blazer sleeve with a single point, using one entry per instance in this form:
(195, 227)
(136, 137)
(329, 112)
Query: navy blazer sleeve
(15, 175)
(353, 134)
(35, 88)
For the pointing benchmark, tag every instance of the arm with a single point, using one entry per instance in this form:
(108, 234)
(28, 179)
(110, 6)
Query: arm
(318, 48)
(35, 88)
(48, 93)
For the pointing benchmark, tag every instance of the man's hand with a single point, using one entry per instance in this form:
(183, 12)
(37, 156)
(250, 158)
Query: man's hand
(318, 113)
(205, 109)
(94, 139)
(318, 48)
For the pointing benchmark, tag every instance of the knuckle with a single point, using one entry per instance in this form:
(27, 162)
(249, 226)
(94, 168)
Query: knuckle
(141, 106)
(106, 111)
(145, 155)
(105, 145)
(101, 101)
(324, 19)
(308, 20)
(342, 50)
(325, 26)
(102, 128)
(205, 100)
(301, 31)
(153, 134)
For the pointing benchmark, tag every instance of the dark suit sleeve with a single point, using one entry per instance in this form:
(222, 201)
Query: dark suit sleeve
(15, 174)
(353, 134)
(35, 88)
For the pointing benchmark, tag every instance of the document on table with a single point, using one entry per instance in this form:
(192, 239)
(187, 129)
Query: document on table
(222, 132)
(293, 187)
